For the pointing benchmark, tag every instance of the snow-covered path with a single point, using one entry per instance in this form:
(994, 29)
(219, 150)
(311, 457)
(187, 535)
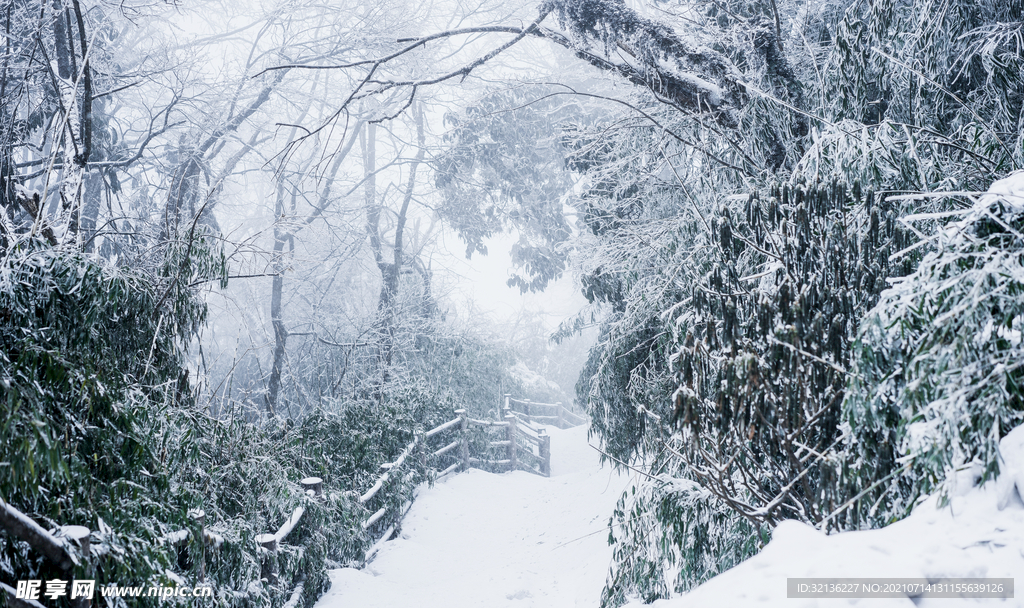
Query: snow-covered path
(509, 540)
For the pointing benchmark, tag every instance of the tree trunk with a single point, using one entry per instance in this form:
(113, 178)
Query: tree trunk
(389, 280)
(92, 196)
(390, 270)
(280, 333)
(71, 125)
(280, 264)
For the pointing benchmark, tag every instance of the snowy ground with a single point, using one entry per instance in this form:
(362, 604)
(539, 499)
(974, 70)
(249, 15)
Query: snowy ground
(518, 540)
(509, 540)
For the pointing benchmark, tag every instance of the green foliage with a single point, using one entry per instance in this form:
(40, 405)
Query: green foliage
(101, 430)
(730, 318)
(763, 347)
(625, 377)
(461, 369)
(245, 475)
(737, 387)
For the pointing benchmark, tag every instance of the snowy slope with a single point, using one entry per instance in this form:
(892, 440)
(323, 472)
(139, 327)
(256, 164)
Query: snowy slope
(969, 537)
(509, 540)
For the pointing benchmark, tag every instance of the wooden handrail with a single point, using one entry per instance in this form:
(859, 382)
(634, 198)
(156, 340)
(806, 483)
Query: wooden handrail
(24, 528)
(180, 536)
(420, 442)
(488, 422)
(296, 597)
(559, 418)
(374, 518)
(387, 474)
(451, 446)
(582, 419)
(536, 402)
(450, 469)
(176, 538)
(13, 601)
(443, 427)
(530, 438)
(287, 527)
(486, 461)
(380, 542)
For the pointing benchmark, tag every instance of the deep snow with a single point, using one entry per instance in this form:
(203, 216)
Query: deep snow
(489, 540)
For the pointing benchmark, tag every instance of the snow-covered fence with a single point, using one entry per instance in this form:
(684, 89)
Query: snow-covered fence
(527, 446)
(435, 450)
(554, 414)
(509, 443)
(313, 487)
(433, 459)
(436, 458)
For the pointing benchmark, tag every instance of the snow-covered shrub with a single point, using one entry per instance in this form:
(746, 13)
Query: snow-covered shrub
(761, 348)
(536, 387)
(939, 374)
(100, 429)
(671, 535)
(244, 475)
(90, 375)
(900, 97)
(748, 433)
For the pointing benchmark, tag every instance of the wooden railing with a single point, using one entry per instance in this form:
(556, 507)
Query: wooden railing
(67, 548)
(524, 445)
(555, 414)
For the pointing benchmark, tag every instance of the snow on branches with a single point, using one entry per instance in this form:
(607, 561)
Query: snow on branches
(686, 74)
(940, 364)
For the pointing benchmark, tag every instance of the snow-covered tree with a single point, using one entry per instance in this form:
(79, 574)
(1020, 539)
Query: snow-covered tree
(937, 375)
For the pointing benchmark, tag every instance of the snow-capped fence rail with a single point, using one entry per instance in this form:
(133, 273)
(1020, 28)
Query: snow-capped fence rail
(554, 414)
(435, 459)
(67, 548)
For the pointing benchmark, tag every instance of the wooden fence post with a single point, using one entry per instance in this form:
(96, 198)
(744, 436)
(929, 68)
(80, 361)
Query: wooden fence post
(528, 411)
(559, 410)
(199, 516)
(313, 483)
(421, 446)
(464, 447)
(545, 452)
(268, 570)
(510, 435)
(79, 536)
(506, 408)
